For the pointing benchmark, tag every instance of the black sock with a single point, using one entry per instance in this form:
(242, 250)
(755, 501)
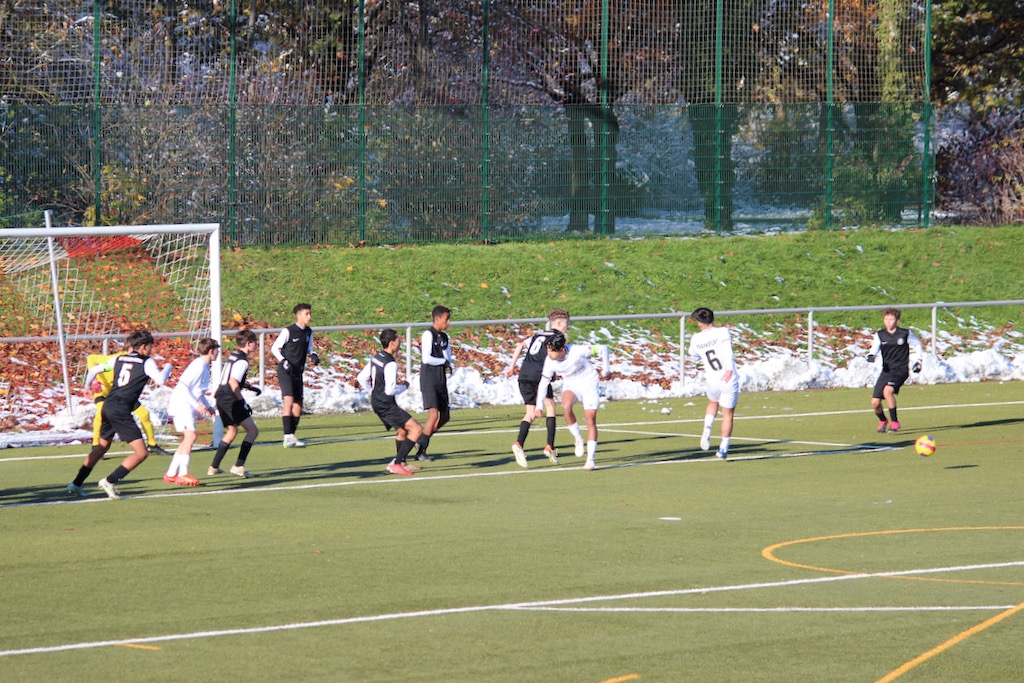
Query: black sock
(403, 451)
(118, 474)
(880, 415)
(524, 429)
(423, 442)
(243, 453)
(288, 425)
(550, 422)
(892, 414)
(222, 450)
(295, 423)
(83, 474)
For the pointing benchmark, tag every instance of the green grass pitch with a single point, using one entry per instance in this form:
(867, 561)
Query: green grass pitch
(820, 551)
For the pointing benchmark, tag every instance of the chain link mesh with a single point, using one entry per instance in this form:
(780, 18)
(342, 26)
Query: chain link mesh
(383, 121)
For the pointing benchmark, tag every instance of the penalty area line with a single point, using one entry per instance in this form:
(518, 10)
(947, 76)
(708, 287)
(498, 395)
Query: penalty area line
(770, 610)
(514, 606)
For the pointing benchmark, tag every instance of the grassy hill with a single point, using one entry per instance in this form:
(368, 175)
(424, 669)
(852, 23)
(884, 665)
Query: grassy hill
(349, 285)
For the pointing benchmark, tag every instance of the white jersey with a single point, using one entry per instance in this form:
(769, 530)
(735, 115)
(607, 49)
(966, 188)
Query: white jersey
(713, 348)
(190, 391)
(578, 374)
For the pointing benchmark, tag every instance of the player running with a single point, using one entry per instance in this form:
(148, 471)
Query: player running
(901, 351)
(188, 398)
(234, 410)
(100, 380)
(579, 385)
(379, 378)
(132, 373)
(536, 353)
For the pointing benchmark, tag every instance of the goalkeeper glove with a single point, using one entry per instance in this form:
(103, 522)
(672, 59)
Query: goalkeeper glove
(871, 358)
(917, 366)
(315, 357)
(286, 366)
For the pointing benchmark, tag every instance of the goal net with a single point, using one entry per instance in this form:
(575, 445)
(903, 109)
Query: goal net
(66, 292)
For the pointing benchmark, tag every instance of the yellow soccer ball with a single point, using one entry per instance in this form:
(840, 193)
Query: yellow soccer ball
(925, 445)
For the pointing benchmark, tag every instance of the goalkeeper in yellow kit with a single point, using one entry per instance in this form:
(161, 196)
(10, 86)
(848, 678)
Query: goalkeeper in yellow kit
(99, 380)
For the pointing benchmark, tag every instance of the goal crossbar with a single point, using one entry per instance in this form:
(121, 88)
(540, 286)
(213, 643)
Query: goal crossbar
(110, 230)
(46, 237)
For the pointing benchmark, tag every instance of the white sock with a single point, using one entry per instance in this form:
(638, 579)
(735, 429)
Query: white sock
(725, 445)
(574, 429)
(708, 421)
(183, 460)
(172, 469)
(591, 449)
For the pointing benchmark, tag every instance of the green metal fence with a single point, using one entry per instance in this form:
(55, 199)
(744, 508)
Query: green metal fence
(457, 120)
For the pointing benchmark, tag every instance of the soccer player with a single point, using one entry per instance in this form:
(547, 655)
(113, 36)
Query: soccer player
(291, 349)
(233, 409)
(99, 380)
(529, 377)
(579, 385)
(713, 346)
(187, 399)
(380, 379)
(132, 372)
(436, 355)
(900, 350)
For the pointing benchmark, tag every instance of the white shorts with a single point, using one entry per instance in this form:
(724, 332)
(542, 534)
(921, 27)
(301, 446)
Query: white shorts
(725, 394)
(185, 422)
(585, 393)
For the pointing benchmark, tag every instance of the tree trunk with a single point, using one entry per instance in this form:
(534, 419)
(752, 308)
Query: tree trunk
(579, 170)
(713, 127)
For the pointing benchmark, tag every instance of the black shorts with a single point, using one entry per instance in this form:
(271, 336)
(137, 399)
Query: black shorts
(889, 379)
(99, 399)
(291, 384)
(232, 411)
(116, 418)
(392, 416)
(528, 388)
(434, 387)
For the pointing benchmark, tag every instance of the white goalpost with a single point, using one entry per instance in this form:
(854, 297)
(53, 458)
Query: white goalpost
(88, 284)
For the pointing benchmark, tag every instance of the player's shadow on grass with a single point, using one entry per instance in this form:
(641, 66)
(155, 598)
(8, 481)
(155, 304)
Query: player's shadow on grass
(372, 467)
(890, 445)
(50, 493)
(325, 472)
(984, 423)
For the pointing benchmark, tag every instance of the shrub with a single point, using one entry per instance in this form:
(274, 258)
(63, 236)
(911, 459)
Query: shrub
(981, 169)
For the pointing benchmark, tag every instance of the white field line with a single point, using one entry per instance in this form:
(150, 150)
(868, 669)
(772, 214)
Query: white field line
(769, 610)
(514, 606)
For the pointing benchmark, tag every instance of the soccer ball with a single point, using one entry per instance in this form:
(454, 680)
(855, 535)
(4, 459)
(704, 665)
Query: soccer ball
(925, 445)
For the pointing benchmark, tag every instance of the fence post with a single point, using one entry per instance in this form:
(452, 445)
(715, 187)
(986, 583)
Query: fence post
(810, 337)
(97, 113)
(935, 327)
(263, 360)
(408, 353)
(682, 350)
(924, 219)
